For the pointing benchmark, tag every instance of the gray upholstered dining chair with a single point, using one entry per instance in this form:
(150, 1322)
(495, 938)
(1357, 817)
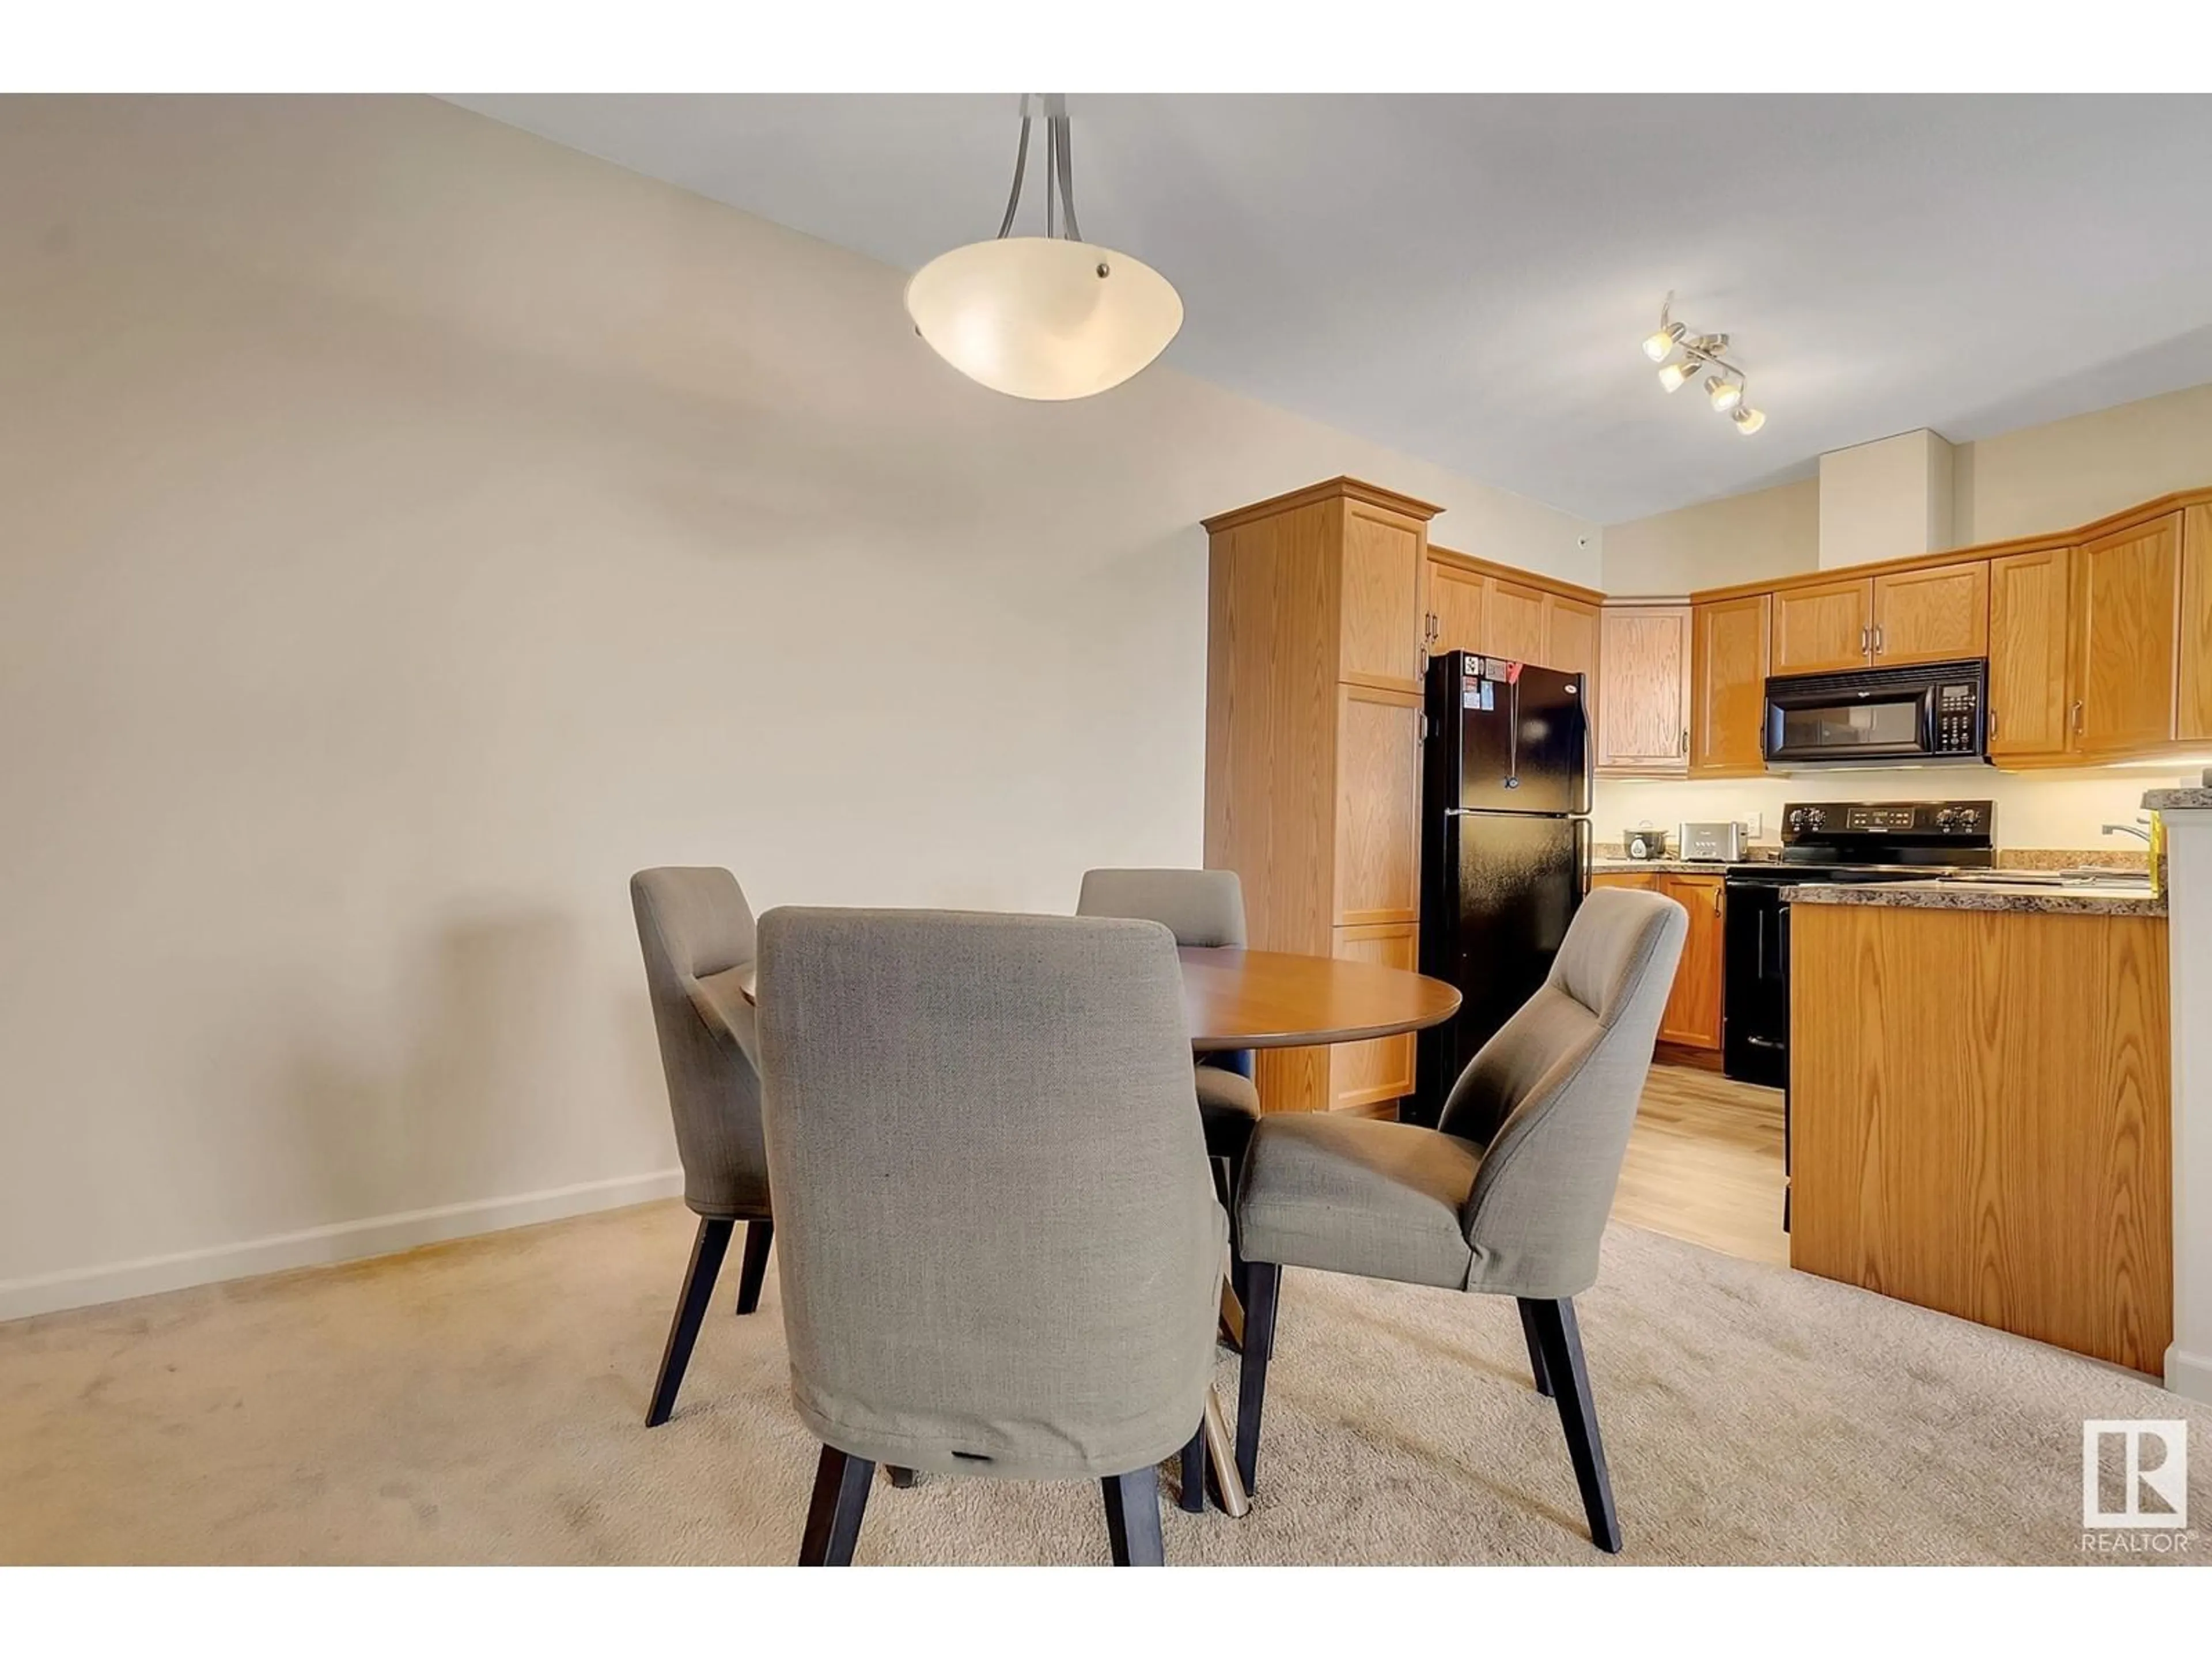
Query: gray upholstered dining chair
(1199, 908)
(999, 1247)
(1507, 1195)
(696, 931)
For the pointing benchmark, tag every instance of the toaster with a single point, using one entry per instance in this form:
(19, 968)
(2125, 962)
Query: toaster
(1710, 843)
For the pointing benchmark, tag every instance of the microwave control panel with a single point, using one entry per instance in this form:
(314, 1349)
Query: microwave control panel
(1958, 708)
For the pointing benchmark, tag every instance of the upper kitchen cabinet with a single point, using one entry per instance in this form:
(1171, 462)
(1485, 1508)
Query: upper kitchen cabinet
(1823, 626)
(1571, 634)
(2126, 609)
(1643, 691)
(1455, 608)
(2193, 715)
(1513, 622)
(1939, 613)
(1383, 552)
(1934, 613)
(1729, 644)
(1500, 611)
(2031, 598)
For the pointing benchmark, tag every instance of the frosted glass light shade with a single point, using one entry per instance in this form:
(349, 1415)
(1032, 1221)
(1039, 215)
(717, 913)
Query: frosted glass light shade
(1032, 316)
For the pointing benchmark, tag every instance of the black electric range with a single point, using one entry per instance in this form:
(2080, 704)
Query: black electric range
(1826, 842)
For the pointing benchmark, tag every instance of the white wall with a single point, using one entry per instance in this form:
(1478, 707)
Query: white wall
(1749, 538)
(409, 528)
(1889, 498)
(2068, 473)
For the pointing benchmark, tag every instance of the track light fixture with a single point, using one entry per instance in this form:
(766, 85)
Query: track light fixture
(1724, 390)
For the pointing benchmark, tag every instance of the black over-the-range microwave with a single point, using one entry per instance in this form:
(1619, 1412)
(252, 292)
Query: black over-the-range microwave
(1930, 712)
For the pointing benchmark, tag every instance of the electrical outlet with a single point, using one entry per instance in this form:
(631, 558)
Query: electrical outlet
(1752, 825)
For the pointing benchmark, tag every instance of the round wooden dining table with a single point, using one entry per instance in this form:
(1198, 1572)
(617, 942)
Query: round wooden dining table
(1237, 998)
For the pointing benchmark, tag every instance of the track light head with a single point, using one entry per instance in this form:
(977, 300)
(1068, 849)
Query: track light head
(1661, 346)
(1748, 420)
(1723, 393)
(1675, 376)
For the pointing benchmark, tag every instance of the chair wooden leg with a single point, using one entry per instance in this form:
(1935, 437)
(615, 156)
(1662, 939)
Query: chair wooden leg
(707, 1249)
(1193, 1496)
(759, 1234)
(833, 1519)
(1562, 1342)
(1535, 1351)
(903, 1478)
(1133, 1518)
(1263, 1283)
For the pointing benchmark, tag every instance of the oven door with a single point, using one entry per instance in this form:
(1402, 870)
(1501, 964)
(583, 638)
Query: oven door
(1827, 718)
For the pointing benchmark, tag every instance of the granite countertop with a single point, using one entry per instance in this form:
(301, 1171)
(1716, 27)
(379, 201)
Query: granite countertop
(2177, 800)
(2023, 898)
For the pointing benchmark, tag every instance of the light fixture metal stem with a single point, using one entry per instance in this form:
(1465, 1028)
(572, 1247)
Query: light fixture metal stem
(1059, 170)
(1021, 166)
(1066, 176)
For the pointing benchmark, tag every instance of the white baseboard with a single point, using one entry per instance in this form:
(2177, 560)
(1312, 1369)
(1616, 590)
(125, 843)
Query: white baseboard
(381, 1235)
(2189, 1375)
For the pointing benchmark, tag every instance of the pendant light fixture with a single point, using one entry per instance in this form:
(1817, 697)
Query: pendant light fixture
(1051, 317)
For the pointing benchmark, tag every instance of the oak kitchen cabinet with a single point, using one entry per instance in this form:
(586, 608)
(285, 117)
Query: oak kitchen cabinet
(1316, 630)
(2126, 608)
(1729, 667)
(1938, 613)
(2193, 712)
(1982, 1118)
(1643, 691)
(1456, 608)
(2030, 603)
(1476, 606)
(1823, 627)
(1934, 613)
(1692, 1016)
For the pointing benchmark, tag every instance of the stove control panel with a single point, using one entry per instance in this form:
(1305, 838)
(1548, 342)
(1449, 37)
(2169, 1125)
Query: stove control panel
(1847, 823)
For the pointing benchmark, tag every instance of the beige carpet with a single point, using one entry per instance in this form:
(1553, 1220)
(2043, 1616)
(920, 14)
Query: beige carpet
(482, 1403)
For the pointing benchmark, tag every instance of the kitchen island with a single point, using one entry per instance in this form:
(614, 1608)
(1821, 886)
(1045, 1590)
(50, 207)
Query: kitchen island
(1980, 1111)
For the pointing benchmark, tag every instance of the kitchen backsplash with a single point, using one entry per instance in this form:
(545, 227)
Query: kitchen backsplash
(2061, 810)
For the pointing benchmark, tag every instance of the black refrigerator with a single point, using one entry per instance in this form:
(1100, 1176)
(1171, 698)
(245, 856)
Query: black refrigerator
(1505, 846)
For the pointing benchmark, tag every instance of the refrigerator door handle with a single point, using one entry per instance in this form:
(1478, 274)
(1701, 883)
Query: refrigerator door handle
(1582, 856)
(1584, 784)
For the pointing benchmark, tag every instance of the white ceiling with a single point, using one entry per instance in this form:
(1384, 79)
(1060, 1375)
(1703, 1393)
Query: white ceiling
(1467, 278)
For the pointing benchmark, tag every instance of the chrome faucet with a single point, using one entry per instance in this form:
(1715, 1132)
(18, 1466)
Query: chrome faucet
(2125, 830)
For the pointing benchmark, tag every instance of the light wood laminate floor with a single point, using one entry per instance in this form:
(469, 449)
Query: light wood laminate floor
(1705, 1163)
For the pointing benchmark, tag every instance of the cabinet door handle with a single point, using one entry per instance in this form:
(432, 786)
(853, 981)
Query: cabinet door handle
(1993, 722)
(1877, 639)
(2077, 713)
(1865, 643)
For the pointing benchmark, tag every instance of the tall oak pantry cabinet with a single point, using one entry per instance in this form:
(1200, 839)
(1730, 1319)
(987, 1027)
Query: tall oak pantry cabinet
(1316, 624)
